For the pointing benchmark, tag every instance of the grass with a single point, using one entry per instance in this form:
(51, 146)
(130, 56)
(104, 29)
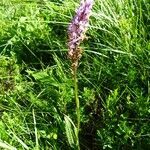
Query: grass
(37, 105)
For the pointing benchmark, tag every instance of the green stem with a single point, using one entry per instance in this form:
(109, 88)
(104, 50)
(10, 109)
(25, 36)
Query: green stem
(77, 103)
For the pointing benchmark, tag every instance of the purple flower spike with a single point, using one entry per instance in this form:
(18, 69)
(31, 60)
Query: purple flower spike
(77, 29)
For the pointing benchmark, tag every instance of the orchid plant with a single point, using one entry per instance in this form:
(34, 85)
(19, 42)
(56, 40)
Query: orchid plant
(76, 34)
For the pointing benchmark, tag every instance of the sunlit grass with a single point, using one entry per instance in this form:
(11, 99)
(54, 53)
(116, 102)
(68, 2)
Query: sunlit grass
(36, 89)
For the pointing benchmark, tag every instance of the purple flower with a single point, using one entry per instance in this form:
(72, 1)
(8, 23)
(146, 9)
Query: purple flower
(78, 27)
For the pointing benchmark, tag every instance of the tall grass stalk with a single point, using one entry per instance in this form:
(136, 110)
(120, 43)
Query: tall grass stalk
(35, 129)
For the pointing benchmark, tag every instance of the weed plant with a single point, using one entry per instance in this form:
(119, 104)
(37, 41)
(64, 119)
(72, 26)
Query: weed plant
(36, 90)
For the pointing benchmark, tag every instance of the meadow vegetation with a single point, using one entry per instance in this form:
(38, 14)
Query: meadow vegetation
(37, 106)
